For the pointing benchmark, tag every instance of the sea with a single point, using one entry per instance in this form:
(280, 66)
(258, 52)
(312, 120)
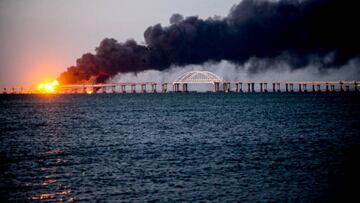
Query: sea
(180, 147)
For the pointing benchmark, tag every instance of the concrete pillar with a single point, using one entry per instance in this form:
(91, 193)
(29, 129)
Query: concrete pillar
(236, 87)
(133, 88)
(274, 89)
(313, 87)
(300, 90)
(341, 86)
(185, 87)
(291, 87)
(176, 87)
(164, 87)
(347, 88)
(123, 89)
(4, 91)
(305, 87)
(261, 87)
(216, 87)
(286, 87)
(356, 87)
(318, 87)
(248, 87)
(265, 87)
(240, 87)
(143, 88)
(153, 87)
(253, 87)
(327, 87)
(332, 88)
(226, 87)
(278, 87)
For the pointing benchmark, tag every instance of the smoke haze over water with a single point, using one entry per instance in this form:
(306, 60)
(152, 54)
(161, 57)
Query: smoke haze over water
(257, 37)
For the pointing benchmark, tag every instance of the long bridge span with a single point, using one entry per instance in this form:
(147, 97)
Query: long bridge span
(200, 77)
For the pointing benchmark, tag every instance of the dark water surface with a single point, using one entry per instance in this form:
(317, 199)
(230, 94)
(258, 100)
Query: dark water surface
(179, 147)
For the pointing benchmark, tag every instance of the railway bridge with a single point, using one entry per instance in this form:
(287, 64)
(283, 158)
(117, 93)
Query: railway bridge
(200, 77)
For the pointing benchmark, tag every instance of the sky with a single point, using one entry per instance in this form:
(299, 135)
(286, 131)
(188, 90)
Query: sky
(40, 38)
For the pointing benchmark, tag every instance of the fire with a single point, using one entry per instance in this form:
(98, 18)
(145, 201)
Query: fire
(49, 87)
(88, 91)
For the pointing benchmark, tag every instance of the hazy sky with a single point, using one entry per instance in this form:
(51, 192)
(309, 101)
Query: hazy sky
(40, 38)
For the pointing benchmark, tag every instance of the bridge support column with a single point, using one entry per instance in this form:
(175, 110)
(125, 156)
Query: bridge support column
(332, 88)
(143, 88)
(236, 87)
(261, 87)
(216, 86)
(278, 87)
(123, 89)
(265, 87)
(226, 86)
(318, 87)
(273, 87)
(153, 87)
(305, 87)
(252, 87)
(185, 87)
(286, 87)
(4, 91)
(341, 86)
(313, 87)
(291, 87)
(248, 87)
(300, 85)
(133, 88)
(356, 87)
(164, 87)
(327, 87)
(176, 87)
(240, 87)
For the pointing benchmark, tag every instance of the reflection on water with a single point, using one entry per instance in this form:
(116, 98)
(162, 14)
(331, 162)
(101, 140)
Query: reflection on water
(178, 147)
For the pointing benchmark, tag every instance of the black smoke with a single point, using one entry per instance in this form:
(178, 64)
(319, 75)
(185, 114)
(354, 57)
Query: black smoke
(296, 31)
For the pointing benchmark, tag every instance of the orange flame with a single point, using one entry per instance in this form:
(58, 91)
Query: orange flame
(49, 87)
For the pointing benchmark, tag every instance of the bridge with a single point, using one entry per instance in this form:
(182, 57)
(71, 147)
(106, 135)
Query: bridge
(201, 77)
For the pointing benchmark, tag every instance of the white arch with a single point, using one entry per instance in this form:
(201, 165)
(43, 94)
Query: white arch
(199, 77)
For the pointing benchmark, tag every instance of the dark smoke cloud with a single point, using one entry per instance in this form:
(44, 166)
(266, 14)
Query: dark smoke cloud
(296, 31)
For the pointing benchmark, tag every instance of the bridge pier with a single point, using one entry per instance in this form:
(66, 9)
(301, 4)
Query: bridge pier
(164, 87)
(226, 87)
(240, 87)
(313, 87)
(347, 88)
(261, 87)
(143, 88)
(265, 87)
(332, 88)
(123, 89)
(176, 87)
(356, 87)
(216, 86)
(286, 87)
(300, 85)
(327, 87)
(248, 87)
(305, 87)
(133, 88)
(113, 89)
(341, 86)
(153, 87)
(185, 87)
(318, 88)
(291, 87)
(253, 87)
(278, 87)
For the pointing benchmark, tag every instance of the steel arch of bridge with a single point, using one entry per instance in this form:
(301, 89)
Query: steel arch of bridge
(199, 77)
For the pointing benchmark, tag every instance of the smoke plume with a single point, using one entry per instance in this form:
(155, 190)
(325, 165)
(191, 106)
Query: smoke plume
(298, 32)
